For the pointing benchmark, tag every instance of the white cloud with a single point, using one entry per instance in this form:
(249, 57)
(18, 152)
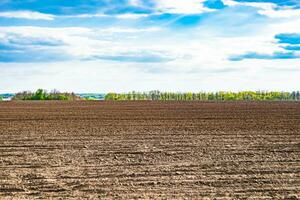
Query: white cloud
(268, 9)
(100, 76)
(273, 11)
(117, 30)
(130, 16)
(27, 15)
(262, 5)
(281, 13)
(200, 57)
(135, 2)
(85, 15)
(101, 15)
(83, 43)
(181, 7)
(187, 54)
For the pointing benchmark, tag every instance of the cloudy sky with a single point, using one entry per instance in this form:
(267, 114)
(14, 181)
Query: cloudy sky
(170, 45)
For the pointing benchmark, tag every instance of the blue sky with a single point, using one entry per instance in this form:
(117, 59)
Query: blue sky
(170, 45)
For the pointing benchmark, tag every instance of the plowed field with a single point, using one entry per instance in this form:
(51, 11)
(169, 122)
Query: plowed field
(149, 150)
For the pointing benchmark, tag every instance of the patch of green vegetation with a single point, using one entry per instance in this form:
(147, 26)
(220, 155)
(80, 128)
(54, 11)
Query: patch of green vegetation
(41, 94)
(90, 99)
(205, 96)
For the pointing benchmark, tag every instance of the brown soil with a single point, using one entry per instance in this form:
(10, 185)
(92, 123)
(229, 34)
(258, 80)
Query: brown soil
(149, 150)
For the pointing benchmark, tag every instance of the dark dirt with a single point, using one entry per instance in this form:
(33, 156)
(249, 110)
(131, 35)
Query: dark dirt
(149, 150)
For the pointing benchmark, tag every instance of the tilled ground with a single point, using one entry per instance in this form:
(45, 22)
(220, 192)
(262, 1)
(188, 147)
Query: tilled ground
(149, 150)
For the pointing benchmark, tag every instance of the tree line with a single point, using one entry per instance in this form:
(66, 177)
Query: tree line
(204, 96)
(41, 94)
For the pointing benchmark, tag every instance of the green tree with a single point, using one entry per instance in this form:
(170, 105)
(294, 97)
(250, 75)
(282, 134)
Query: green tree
(205, 96)
(40, 94)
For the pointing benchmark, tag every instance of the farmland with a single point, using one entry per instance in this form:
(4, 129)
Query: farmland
(149, 149)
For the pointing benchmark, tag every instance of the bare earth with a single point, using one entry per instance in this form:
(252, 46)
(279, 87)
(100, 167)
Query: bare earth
(149, 150)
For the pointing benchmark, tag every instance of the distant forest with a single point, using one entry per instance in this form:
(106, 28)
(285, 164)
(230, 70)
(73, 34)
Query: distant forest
(205, 96)
(41, 94)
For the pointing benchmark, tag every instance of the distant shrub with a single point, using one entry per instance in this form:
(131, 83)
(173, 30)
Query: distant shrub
(90, 99)
(41, 94)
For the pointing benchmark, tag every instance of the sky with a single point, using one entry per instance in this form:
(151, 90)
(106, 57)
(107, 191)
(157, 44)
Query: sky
(143, 45)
